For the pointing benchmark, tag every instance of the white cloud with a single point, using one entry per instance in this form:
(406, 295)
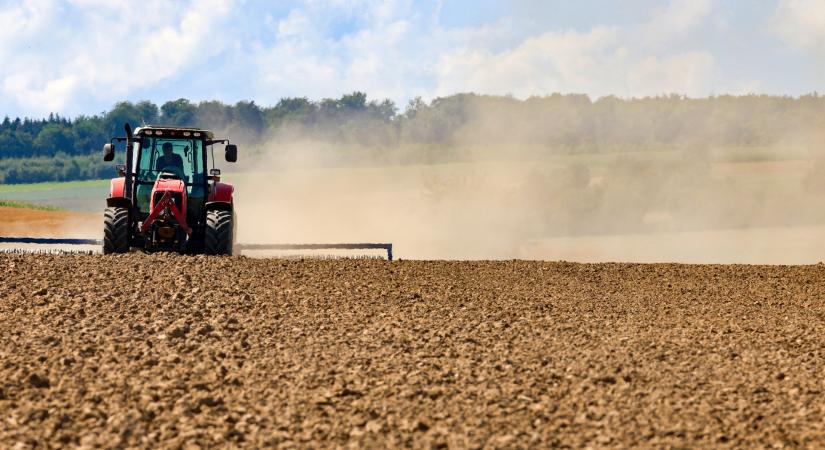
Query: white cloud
(801, 23)
(106, 50)
(64, 55)
(21, 23)
(49, 96)
(678, 18)
(308, 59)
(631, 60)
(602, 61)
(539, 65)
(400, 53)
(296, 24)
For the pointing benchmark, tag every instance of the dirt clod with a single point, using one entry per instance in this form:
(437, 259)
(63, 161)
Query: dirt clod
(38, 381)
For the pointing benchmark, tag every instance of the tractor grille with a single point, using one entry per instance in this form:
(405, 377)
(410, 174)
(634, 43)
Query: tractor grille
(175, 195)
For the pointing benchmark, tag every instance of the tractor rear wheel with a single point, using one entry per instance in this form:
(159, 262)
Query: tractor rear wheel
(115, 230)
(219, 231)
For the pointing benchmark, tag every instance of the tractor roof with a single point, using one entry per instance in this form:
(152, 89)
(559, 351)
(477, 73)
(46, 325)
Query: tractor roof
(161, 130)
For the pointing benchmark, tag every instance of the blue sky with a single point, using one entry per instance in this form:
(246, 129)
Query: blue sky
(81, 56)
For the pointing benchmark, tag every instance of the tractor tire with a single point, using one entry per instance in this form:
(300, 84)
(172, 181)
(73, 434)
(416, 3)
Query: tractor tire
(115, 230)
(219, 231)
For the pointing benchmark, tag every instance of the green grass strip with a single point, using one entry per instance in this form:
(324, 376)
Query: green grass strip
(51, 185)
(27, 205)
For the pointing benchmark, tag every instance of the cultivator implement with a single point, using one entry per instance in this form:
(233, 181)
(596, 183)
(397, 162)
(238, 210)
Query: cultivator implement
(58, 242)
(49, 241)
(361, 246)
(49, 245)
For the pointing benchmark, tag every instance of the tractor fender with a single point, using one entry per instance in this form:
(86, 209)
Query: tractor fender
(221, 192)
(116, 187)
(220, 206)
(116, 197)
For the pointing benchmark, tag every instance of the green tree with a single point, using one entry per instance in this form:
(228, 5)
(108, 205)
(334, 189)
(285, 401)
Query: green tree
(123, 112)
(357, 101)
(89, 134)
(213, 115)
(291, 111)
(180, 112)
(148, 111)
(53, 138)
(248, 115)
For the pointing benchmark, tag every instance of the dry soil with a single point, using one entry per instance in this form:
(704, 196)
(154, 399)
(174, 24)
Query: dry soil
(40, 223)
(169, 351)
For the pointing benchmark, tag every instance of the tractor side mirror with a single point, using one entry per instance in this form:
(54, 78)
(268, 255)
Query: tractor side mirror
(108, 152)
(231, 153)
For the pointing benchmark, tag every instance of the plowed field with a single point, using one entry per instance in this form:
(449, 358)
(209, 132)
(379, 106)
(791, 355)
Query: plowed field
(168, 351)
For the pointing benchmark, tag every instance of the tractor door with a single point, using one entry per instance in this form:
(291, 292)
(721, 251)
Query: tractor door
(145, 175)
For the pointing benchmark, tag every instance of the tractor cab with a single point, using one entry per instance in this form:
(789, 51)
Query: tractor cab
(167, 155)
(170, 196)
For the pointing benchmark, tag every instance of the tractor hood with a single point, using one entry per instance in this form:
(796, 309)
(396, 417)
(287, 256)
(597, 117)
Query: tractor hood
(173, 185)
(176, 187)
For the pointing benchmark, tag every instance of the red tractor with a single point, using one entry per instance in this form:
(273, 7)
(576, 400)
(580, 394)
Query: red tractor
(165, 198)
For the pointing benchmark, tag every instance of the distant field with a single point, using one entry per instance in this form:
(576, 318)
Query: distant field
(81, 196)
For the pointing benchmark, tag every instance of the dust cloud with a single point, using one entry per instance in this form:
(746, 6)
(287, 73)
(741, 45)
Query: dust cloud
(491, 195)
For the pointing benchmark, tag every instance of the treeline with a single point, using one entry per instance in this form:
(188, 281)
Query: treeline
(329, 119)
(549, 124)
(60, 167)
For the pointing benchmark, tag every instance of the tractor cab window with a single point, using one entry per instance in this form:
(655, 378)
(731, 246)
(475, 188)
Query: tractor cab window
(181, 157)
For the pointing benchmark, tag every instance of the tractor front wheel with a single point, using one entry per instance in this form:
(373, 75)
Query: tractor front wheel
(218, 238)
(115, 230)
